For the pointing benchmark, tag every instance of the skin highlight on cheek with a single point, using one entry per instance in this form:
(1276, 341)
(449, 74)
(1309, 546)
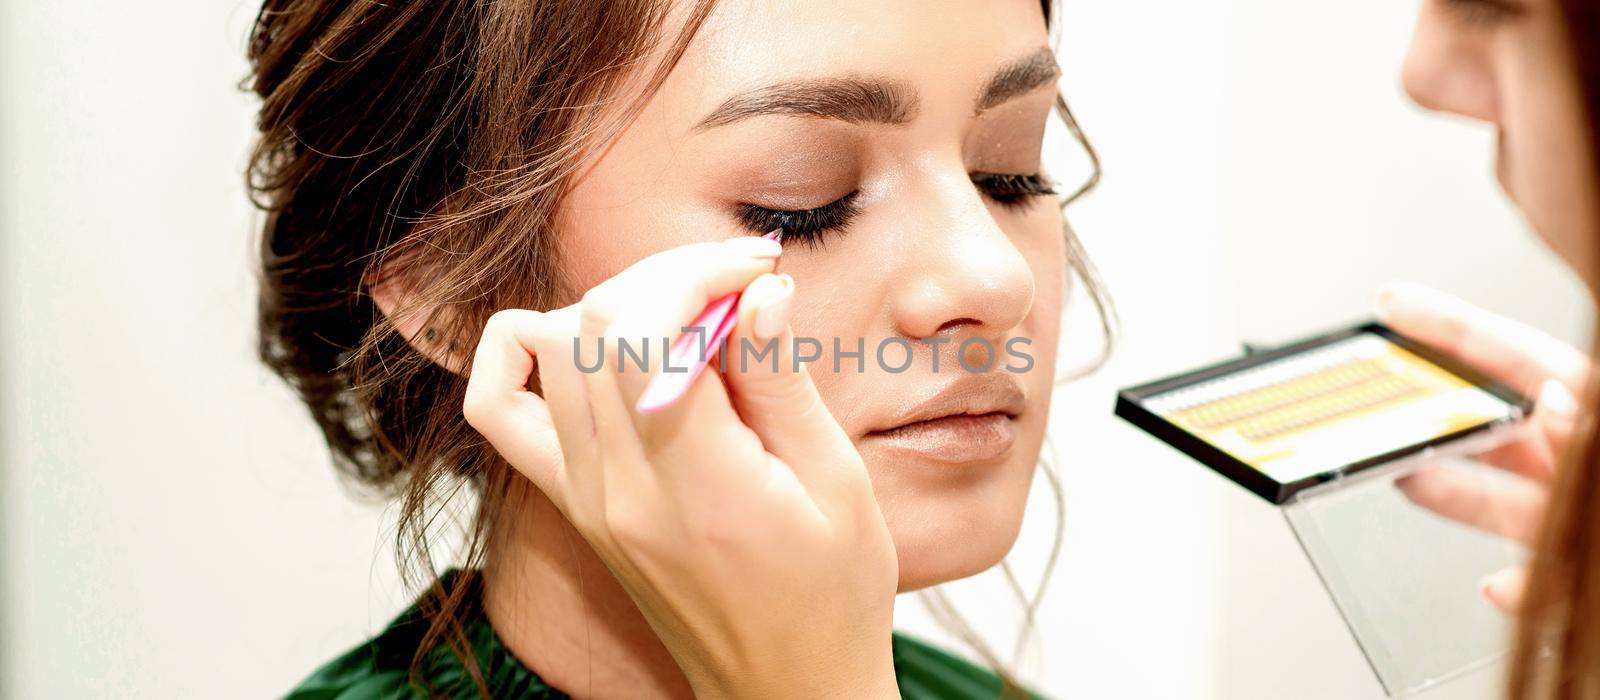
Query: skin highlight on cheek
(1548, 170)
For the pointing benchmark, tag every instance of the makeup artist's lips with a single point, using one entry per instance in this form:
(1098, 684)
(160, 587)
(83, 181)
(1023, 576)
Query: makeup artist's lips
(969, 420)
(1502, 164)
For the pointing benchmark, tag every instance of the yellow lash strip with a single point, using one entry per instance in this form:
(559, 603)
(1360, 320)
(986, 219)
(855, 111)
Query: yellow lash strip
(1304, 401)
(1371, 394)
(1218, 413)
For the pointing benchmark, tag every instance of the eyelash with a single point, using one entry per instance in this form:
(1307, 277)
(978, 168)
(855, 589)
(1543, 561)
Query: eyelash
(1482, 13)
(1013, 192)
(804, 225)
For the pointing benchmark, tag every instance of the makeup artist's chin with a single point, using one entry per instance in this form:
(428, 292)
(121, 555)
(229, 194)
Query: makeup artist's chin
(1502, 165)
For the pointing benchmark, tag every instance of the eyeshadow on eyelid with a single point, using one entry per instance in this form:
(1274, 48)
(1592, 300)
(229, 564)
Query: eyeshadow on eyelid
(1007, 145)
(779, 179)
(787, 146)
(789, 178)
(792, 200)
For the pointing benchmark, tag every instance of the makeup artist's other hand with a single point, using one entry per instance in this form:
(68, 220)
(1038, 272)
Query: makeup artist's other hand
(1524, 359)
(741, 519)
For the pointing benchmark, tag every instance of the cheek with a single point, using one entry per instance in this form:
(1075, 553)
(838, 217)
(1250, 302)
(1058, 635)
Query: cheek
(1548, 166)
(1044, 246)
(1046, 252)
(838, 297)
(603, 228)
(607, 255)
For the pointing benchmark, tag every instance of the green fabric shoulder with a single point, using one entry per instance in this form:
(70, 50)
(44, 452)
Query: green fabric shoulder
(380, 669)
(924, 671)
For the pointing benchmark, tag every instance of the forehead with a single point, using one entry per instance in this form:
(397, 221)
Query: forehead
(943, 50)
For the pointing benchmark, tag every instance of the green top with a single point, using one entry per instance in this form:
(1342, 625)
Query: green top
(381, 667)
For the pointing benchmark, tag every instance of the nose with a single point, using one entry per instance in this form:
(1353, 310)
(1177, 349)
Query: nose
(966, 275)
(1448, 70)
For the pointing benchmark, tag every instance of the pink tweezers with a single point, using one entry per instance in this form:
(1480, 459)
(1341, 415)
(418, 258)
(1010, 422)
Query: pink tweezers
(718, 317)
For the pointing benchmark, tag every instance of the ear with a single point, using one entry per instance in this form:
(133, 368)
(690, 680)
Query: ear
(424, 326)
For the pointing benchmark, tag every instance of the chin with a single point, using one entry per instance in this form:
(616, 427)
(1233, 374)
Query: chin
(956, 526)
(1556, 215)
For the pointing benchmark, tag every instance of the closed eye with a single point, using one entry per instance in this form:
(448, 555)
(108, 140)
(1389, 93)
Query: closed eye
(806, 226)
(1013, 191)
(810, 226)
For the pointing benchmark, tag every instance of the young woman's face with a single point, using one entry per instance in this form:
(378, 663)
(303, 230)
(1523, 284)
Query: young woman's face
(1505, 62)
(912, 132)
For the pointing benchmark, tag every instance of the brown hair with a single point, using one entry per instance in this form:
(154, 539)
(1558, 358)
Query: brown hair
(1556, 652)
(431, 141)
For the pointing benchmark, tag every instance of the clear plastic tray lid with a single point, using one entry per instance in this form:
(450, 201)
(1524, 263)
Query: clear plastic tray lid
(1405, 579)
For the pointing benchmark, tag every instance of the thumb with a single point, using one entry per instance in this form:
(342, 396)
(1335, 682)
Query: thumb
(773, 392)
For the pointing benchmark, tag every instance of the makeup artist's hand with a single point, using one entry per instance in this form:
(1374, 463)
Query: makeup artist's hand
(1524, 359)
(740, 519)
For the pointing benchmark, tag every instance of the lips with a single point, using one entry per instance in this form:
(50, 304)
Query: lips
(967, 420)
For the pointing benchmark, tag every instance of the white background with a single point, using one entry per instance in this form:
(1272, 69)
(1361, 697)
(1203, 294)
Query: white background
(171, 526)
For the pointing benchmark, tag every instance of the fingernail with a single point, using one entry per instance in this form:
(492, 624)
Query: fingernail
(1381, 302)
(1389, 300)
(773, 305)
(1483, 590)
(1497, 587)
(754, 246)
(1557, 400)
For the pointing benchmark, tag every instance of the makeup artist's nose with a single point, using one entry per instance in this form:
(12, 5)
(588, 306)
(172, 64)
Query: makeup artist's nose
(1446, 70)
(968, 275)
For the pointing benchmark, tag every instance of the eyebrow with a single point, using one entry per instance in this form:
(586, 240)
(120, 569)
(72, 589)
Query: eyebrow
(855, 100)
(872, 100)
(1018, 78)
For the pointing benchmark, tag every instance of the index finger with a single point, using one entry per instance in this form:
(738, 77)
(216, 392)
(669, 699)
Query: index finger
(1514, 353)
